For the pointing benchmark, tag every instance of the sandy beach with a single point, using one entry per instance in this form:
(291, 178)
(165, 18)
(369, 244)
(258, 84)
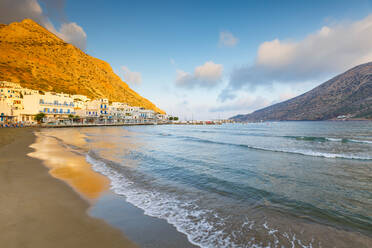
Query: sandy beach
(38, 210)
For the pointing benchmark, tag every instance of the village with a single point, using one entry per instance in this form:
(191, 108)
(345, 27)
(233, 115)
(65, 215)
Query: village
(27, 107)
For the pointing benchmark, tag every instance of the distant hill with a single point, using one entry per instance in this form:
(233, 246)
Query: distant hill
(37, 59)
(349, 93)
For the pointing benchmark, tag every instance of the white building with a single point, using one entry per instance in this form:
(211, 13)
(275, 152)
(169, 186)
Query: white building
(147, 114)
(103, 107)
(94, 109)
(6, 113)
(54, 105)
(12, 94)
(162, 117)
(22, 104)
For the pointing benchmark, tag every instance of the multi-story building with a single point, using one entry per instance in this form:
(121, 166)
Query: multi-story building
(6, 113)
(12, 94)
(55, 106)
(120, 111)
(147, 114)
(162, 117)
(103, 107)
(95, 109)
(22, 104)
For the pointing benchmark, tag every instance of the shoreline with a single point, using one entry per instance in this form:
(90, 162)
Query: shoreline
(41, 211)
(105, 125)
(63, 153)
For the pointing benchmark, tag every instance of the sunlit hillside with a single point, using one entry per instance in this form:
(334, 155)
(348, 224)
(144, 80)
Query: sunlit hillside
(37, 59)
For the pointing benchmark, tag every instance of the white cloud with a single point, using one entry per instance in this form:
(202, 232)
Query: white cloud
(131, 77)
(205, 76)
(328, 51)
(17, 10)
(74, 34)
(227, 39)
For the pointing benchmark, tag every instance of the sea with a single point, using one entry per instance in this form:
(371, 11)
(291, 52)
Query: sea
(270, 184)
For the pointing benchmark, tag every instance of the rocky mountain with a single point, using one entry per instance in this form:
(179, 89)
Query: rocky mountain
(348, 94)
(37, 59)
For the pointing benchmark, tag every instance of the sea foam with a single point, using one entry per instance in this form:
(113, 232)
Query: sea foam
(187, 216)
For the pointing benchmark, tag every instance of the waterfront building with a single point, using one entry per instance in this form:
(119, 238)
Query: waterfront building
(11, 93)
(103, 107)
(147, 114)
(18, 104)
(6, 113)
(162, 117)
(56, 106)
(90, 110)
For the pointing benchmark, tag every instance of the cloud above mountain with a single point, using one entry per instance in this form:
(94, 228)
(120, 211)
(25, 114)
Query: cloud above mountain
(74, 34)
(227, 39)
(205, 76)
(17, 10)
(131, 77)
(330, 50)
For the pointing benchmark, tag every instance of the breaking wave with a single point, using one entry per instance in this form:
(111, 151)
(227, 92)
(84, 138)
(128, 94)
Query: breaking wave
(325, 139)
(299, 151)
(203, 227)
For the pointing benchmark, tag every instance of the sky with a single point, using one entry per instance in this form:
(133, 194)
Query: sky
(212, 59)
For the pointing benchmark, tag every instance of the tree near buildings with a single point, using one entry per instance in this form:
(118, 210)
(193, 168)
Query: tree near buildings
(39, 117)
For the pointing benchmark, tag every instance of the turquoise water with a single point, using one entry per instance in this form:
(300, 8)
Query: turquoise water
(285, 184)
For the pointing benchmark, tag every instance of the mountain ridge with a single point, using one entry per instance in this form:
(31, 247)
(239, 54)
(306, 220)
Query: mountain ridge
(37, 59)
(349, 94)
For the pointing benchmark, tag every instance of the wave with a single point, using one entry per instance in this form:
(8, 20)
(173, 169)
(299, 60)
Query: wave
(361, 141)
(300, 138)
(203, 227)
(186, 216)
(325, 139)
(300, 152)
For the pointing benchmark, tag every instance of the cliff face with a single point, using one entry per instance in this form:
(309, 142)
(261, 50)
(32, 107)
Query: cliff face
(349, 93)
(37, 59)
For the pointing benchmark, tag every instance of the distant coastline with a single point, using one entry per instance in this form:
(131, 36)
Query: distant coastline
(346, 96)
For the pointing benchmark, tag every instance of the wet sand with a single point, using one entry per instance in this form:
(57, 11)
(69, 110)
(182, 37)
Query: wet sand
(36, 210)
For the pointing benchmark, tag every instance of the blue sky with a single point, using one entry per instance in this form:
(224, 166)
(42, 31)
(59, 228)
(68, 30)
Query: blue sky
(171, 52)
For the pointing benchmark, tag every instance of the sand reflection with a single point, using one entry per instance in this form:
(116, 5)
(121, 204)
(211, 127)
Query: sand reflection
(113, 144)
(69, 165)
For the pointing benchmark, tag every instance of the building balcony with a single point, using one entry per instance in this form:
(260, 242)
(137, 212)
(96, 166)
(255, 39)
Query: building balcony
(56, 104)
(57, 112)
